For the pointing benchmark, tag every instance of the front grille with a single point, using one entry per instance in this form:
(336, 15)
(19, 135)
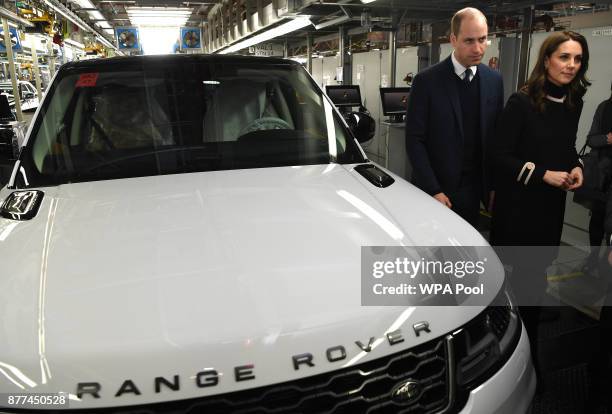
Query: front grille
(364, 388)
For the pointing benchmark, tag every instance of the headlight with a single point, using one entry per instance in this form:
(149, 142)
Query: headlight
(485, 343)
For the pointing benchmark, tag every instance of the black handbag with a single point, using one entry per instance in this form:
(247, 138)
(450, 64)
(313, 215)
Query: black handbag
(595, 165)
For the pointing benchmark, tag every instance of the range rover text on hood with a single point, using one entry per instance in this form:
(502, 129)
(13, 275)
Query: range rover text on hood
(210, 377)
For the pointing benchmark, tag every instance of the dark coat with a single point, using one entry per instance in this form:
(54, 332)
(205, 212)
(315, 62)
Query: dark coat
(602, 124)
(434, 130)
(597, 140)
(527, 210)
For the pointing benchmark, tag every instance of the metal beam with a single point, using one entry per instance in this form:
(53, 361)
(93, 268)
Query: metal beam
(345, 58)
(11, 61)
(260, 13)
(438, 30)
(37, 80)
(521, 5)
(422, 6)
(335, 22)
(392, 57)
(51, 58)
(239, 19)
(251, 8)
(309, 53)
(525, 43)
(338, 20)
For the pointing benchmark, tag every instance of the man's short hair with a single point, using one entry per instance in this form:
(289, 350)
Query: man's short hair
(469, 12)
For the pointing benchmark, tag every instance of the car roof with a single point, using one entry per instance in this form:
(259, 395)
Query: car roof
(174, 59)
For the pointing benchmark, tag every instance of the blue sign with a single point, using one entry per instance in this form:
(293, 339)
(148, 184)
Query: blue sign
(191, 38)
(127, 38)
(14, 40)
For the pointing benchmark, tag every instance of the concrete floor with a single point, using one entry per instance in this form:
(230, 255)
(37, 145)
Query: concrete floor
(569, 342)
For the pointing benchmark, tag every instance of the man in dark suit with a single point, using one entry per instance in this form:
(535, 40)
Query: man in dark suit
(452, 111)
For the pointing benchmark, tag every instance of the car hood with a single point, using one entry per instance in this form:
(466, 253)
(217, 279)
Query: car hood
(150, 277)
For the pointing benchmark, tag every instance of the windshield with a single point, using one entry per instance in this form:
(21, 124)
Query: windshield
(190, 116)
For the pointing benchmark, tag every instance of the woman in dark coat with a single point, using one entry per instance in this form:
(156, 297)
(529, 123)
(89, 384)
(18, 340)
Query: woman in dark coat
(535, 163)
(600, 139)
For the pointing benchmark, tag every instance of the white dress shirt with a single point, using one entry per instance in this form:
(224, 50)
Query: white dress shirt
(460, 69)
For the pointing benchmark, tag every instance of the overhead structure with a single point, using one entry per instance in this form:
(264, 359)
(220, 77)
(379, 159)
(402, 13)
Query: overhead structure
(69, 15)
(232, 26)
(11, 16)
(229, 26)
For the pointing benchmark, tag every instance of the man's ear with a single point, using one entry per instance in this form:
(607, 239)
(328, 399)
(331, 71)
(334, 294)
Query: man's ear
(453, 39)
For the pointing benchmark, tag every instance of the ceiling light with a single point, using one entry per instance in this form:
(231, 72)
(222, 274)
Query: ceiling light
(159, 16)
(158, 21)
(288, 27)
(158, 11)
(367, 1)
(93, 14)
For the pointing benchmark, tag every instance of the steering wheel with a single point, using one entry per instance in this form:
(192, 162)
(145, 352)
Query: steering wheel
(105, 139)
(265, 123)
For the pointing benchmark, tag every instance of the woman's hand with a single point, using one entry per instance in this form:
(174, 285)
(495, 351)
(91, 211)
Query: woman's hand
(576, 175)
(560, 179)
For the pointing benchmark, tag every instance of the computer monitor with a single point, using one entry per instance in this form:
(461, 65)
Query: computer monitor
(344, 95)
(394, 102)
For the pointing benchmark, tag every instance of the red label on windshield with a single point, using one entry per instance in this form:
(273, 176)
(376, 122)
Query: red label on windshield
(87, 80)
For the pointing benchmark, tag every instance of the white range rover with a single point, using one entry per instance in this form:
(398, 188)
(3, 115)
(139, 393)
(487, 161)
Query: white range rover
(181, 234)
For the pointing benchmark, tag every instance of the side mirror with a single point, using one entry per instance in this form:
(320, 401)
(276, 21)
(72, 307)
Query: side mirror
(28, 95)
(361, 124)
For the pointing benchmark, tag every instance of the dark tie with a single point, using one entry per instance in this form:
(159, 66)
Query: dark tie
(468, 73)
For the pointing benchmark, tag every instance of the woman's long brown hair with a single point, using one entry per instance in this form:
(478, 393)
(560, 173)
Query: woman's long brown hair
(577, 87)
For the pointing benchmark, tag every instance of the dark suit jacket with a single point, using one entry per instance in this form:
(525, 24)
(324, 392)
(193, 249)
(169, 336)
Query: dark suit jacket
(434, 130)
